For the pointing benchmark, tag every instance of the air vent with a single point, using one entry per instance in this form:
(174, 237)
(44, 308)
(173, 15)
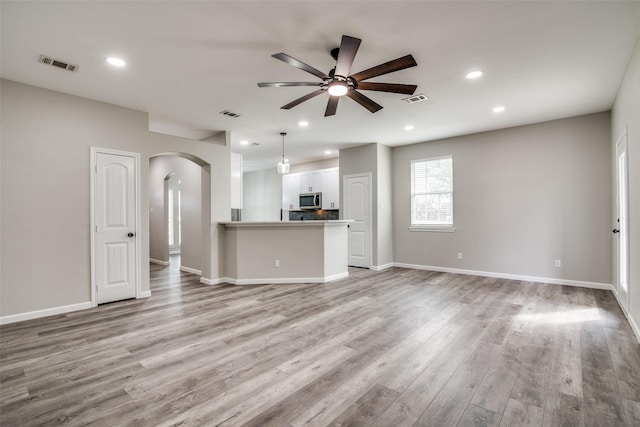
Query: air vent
(415, 98)
(230, 114)
(47, 60)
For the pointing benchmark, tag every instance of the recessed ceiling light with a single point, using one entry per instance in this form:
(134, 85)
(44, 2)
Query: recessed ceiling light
(244, 142)
(303, 123)
(116, 62)
(327, 152)
(498, 109)
(409, 127)
(474, 74)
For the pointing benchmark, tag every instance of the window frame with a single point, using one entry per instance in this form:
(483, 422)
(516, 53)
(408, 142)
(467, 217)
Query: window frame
(430, 227)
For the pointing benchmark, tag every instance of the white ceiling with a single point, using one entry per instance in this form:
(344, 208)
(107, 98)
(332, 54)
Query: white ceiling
(187, 61)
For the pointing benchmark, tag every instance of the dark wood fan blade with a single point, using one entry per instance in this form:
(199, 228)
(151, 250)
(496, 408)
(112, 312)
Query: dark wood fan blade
(301, 100)
(387, 67)
(285, 84)
(366, 102)
(332, 106)
(348, 49)
(388, 87)
(299, 64)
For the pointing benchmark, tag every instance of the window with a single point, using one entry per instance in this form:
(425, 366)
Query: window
(432, 193)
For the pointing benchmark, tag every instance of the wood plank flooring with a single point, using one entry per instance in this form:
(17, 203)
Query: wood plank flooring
(393, 348)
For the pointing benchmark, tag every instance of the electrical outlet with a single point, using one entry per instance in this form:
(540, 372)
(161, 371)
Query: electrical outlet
(558, 263)
(276, 263)
(459, 255)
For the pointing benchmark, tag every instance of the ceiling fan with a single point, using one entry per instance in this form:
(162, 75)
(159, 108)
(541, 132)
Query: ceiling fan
(338, 82)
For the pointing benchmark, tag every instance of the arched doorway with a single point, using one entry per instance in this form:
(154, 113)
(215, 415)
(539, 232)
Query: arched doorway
(180, 195)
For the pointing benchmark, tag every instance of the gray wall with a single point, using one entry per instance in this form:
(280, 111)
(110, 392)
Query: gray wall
(626, 112)
(190, 205)
(44, 228)
(523, 197)
(362, 159)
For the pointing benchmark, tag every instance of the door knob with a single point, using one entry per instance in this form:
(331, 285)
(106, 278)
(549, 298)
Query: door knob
(615, 230)
(130, 234)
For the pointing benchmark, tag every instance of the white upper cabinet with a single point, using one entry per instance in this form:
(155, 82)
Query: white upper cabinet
(325, 181)
(330, 189)
(311, 182)
(291, 192)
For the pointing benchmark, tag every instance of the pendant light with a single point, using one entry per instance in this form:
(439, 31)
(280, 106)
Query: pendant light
(283, 166)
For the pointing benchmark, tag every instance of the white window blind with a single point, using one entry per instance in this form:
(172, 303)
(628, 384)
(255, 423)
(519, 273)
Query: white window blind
(432, 192)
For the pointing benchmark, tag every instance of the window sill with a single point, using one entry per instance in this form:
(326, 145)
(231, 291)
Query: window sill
(437, 229)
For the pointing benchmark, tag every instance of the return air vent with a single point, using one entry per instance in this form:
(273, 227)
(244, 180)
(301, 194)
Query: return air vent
(230, 114)
(47, 60)
(415, 98)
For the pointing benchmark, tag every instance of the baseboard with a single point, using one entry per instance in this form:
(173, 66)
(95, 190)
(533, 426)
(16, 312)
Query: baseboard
(144, 294)
(157, 261)
(549, 280)
(273, 281)
(634, 325)
(630, 319)
(13, 318)
(210, 282)
(381, 267)
(190, 270)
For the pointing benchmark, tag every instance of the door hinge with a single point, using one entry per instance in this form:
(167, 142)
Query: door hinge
(96, 228)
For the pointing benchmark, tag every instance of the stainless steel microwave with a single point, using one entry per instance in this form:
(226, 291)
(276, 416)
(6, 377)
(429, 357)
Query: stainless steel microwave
(311, 201)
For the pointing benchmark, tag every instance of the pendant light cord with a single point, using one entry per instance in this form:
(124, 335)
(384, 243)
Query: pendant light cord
(283, 135)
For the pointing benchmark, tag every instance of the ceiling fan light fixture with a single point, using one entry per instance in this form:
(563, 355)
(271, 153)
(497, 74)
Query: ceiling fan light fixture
(338, 88)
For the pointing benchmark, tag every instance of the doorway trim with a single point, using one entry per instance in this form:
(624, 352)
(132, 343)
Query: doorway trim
(93, 152)
(621, 229)
(167, 213)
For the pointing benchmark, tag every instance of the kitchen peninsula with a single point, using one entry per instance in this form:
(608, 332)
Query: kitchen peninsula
(286, 252)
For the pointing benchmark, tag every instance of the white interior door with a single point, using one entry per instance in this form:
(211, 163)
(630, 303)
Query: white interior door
(115, 227)
(622, 225)
(357, 207)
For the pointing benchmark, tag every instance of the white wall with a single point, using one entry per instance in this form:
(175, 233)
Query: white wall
(333, 162)
(523, 197)
(44, 167)
(190, 206)
(626, 112)
(384, 206)
(261, 195)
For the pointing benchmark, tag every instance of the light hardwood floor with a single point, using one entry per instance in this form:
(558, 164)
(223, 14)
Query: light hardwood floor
(393, 348)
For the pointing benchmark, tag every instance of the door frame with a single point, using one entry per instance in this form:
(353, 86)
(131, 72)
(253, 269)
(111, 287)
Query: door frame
(369, 176)
(622, 297)
(166, 209)
(93, 152)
